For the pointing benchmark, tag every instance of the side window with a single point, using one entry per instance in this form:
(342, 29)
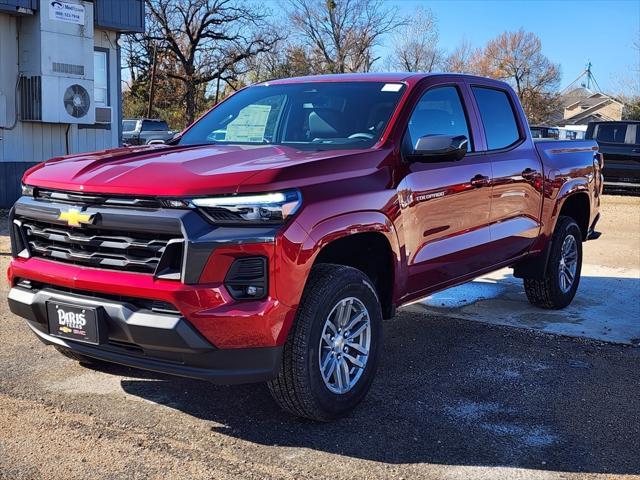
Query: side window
(611, 132)
(438, 112)
(498, 118)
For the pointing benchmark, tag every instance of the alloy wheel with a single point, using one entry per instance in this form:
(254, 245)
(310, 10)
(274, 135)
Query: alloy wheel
(568, 263)
(344, 345)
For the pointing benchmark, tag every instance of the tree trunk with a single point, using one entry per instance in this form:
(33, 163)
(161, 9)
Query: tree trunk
(190, 101)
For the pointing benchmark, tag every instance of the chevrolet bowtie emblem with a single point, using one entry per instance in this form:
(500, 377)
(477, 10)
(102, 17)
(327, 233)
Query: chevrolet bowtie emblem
(75, 218)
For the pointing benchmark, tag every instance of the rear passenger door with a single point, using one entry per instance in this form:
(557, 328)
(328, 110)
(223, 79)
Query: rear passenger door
(516, 201)
(445, 204)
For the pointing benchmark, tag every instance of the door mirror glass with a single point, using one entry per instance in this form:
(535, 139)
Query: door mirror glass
(439, 148)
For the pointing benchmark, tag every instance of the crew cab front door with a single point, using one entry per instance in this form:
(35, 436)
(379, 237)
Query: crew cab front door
(445, 205)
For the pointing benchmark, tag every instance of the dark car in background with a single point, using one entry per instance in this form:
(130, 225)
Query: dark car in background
(145, 131)
(620, 144)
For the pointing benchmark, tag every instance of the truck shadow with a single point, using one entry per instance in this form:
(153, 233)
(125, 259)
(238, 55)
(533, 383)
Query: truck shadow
(453, 392)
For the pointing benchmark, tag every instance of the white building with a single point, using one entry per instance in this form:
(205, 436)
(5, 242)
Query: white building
(59, 80)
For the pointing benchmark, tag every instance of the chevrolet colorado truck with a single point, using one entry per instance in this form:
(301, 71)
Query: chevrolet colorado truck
(271, 238)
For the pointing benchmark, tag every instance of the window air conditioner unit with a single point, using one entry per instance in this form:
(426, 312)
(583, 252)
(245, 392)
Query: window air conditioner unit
(103, 115)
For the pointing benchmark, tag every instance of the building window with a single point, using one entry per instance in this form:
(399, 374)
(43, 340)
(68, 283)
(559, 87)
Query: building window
(101, 77)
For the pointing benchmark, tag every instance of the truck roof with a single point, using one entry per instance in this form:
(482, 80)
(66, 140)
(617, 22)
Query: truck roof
(144, 119)
(409, 77)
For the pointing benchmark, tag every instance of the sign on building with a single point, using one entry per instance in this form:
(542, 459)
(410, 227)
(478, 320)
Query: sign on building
(66, 12)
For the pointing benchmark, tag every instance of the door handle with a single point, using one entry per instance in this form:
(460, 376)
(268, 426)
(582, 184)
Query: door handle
(529, 173)
(636, 150)
(479, 181)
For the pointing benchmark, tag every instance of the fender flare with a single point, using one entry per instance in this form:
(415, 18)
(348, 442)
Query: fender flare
(568, 189)
(353, 223)
(535, 267)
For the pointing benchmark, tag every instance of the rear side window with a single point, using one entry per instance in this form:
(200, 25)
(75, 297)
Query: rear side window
(498, 118)
(611, 132)
(155, 126)
(439, 112)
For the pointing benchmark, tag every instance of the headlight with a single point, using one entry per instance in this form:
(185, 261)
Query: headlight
(27, 190)
(260, 209)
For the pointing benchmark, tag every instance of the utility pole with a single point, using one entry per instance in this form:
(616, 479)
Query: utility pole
(217, 88)
(153, 81)
(589, 75)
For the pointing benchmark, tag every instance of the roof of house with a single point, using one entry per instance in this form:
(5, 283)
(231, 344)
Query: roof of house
(580, 106)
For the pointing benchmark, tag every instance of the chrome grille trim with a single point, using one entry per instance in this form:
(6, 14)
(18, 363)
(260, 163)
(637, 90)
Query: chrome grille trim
(92, 247)
(98, 200)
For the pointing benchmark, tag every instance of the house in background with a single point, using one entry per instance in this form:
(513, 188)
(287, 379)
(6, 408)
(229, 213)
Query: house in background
(581, 105)
(59, 80)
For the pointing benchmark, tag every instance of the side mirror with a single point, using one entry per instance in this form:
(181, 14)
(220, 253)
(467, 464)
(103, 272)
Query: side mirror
(439, 148)
(175, 139)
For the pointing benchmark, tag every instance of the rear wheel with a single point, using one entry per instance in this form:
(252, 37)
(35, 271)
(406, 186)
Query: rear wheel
(332, 353)
(560, 283)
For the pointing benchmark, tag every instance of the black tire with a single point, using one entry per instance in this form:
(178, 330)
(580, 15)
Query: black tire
(546, 292)
(78, 357)
(299, 387)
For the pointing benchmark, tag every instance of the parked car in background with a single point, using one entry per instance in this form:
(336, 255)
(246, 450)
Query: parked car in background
(145, 131)
(268, 241)
(619, 142)
(543, 131)
(572, 132)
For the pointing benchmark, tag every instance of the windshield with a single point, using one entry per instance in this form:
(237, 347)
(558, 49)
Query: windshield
(129, 125)
(303, 115)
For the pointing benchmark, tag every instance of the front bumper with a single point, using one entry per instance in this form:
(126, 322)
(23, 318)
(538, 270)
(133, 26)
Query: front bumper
(142, 338)
(198, 293)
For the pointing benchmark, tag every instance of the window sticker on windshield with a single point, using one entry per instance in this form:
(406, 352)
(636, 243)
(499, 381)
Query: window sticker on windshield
(391, 87)
(249, 125)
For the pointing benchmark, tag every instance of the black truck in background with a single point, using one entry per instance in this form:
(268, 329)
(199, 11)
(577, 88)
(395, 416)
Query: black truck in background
(145, 131)
(619, 142)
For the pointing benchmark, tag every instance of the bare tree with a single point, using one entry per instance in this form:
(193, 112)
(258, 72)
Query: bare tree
(415, 48)
(342, 34)
(207, 40)
(517, 58)
(628, 86)
(285, 60)
(463, 59)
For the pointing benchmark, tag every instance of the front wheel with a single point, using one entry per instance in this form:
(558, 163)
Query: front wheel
(558, 287)
(333, 349)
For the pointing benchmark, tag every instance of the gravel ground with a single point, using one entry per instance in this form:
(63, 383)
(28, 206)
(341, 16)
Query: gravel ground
(453, 400)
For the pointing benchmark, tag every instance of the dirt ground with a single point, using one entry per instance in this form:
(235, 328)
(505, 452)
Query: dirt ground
(454, 399)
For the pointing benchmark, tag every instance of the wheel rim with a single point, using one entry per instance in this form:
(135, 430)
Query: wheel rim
(344, 345)
(568, 263)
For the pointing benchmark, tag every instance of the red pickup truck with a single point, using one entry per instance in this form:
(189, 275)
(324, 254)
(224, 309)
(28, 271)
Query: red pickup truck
(271, 238)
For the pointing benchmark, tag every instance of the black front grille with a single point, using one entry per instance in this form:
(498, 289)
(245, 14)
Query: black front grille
(137, 252)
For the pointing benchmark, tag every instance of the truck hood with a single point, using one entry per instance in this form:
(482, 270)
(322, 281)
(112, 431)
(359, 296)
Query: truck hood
(163, 170)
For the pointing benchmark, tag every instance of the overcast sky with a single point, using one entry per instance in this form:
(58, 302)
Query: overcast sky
(572, 32)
